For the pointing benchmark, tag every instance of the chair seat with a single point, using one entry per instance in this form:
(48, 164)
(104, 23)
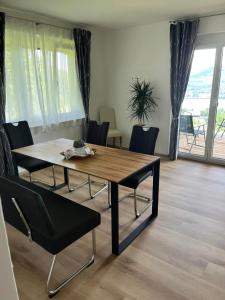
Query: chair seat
(33, 164)
(70, 220)
(114, 133)
(133, 181)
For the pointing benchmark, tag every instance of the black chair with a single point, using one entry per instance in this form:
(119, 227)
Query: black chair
(48, 219)
(187, 128)
(19, 135)
(143, 140)
(96, 134)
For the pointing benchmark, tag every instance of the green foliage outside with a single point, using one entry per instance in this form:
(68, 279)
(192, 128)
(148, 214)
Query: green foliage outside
(203, 118)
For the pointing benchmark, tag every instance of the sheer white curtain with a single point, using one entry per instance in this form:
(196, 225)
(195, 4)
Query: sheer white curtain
(42, 86)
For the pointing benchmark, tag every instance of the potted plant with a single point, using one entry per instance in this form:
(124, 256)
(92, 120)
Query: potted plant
(141, 102)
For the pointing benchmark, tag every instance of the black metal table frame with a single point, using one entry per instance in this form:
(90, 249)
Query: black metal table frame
(61, 185)
(117, 246)
(120, 246)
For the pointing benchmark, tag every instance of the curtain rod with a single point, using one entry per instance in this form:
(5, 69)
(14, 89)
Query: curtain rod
(39, 22)
(198, 17)
(36, 20)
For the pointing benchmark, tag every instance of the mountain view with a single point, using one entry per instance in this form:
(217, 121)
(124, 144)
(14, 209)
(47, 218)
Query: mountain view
(200, 84)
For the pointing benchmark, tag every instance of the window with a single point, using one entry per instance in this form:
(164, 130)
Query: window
(42, 86)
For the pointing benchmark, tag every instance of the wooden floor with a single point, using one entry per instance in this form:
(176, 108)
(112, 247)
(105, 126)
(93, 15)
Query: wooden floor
(199, 148)
(180, 256)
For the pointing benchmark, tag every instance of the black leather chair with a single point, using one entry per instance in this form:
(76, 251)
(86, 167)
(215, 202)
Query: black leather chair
(19, 135)
(96, 134)
(143, 140)
(48, 219)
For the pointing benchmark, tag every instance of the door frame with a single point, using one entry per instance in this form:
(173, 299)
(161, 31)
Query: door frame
(211, 41)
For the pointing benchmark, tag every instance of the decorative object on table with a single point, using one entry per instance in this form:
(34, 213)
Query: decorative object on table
(78, 152)
(78, 143)
(141, 102)
(107, 114)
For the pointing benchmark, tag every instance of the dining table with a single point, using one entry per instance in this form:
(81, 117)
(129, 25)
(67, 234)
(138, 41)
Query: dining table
(110, 164)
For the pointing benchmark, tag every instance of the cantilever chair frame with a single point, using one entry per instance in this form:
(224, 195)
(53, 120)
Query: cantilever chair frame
(52, 291)
(139, 197)
(136, 196)
(105, 186)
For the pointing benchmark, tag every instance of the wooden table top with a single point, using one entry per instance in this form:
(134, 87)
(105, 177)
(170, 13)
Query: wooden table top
(108, 163)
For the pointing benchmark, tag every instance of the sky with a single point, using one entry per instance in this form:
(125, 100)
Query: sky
(203, 59)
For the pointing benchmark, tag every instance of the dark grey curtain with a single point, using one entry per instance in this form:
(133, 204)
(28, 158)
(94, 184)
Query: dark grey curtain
(182, 44)
(82, 39)
(6, 163)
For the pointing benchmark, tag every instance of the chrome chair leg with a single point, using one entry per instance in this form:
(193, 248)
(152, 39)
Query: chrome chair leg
(43, 183)
(140, 197)
(105, 187)
(76, 187)
(89, 182)
(54, 291)
(136, 196)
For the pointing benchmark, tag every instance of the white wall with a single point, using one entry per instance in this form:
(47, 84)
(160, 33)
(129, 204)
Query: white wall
(212, 25)
(8, 290)
(144, 52)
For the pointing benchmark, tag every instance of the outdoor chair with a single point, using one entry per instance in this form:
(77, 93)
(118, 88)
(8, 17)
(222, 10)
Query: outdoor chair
(187, 128)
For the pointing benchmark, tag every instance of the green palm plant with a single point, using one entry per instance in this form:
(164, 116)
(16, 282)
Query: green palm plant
(141, 102)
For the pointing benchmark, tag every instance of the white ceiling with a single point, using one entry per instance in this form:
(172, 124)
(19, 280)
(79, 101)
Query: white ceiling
(118, 13)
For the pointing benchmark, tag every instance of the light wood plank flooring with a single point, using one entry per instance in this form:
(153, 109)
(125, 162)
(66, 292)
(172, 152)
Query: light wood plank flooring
(180, 256)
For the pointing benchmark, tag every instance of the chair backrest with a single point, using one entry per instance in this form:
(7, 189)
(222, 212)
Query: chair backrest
(97, 133)
(107, 114)
(19, 135)
(186, 124)
(30, 203)
(143, 140)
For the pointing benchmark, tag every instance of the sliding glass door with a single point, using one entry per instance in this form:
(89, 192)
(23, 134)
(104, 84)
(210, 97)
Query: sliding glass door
(202, 118)
(195, 109)
(219, 130)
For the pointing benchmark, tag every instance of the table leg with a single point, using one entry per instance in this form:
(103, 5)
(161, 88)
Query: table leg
(115, 217)
(119, 246)
(155, 188)
(66, 179)
(65, 183)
